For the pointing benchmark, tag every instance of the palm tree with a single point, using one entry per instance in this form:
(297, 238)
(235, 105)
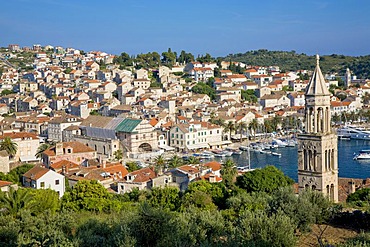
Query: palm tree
(159, 163)
(8, 145)
(118, 154)
(193, 160)
(175, 161)
(41, 149)
(276, 121)
(220, 122)
(242, 126)
(253, 125)
(230, 127)
(14, 201)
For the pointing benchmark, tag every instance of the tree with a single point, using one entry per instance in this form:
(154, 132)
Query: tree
(229, 172)
(87, 195)
(242, 126)
(193, 160)
(6, 92)
(266, 179)
(41, 149)
(118, 154)
(8, 145)
(230, 127)
(166, 198)
(45, 200)
(249, 96)
(175, 161)
(169, 57)
(185, 57)
(253, 125)
(14, 201)
(276, 122)
(16, 174)
(132, 166)
(203, 88)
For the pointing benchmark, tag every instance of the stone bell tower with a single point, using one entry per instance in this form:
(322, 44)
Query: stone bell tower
(317, 146)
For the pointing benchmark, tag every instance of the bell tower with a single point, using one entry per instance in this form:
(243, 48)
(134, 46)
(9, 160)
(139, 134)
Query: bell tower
(317, 146)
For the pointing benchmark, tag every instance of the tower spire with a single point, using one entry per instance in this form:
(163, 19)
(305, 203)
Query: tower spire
(317, 60)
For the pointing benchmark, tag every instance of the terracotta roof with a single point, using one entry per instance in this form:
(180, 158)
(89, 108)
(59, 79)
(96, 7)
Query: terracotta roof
(68, 164)
(77, 147)
(116, 169)
(5, 183)
(36, 172)
(214, 165)
(336, 103)
(188, 169)
(143, 175)
(19, 135)
(210, 175)
(153, 122)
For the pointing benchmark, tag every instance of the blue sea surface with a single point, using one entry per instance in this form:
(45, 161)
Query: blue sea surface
(288, 161)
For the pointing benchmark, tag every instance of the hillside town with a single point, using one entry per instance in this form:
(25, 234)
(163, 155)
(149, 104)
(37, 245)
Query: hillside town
(83, 116)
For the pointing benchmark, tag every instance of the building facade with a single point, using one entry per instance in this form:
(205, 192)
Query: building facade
(317, 147)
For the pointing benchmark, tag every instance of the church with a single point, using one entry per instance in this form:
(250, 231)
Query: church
(318, 145)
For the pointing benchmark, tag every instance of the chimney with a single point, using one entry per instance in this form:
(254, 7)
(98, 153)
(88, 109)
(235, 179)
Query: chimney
(59, 149)
(63, 169)
(104, 163)
(351, 187)
(212, 178)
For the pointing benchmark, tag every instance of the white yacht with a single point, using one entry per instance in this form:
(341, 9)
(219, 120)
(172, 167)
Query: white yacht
(363, 155)
(279, 142)
(352, 132)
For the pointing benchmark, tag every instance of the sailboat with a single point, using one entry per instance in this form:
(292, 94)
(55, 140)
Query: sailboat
(246, 168)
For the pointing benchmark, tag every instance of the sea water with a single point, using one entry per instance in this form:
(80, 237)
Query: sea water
(288, 161)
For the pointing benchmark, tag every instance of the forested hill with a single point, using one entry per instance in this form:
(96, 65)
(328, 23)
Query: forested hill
(290, 60)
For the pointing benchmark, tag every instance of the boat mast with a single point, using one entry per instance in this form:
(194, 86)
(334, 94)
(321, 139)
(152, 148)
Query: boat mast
(249, 151)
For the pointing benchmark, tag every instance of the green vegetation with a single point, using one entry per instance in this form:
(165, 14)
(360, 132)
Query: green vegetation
(249, 95)
(290, 60)
(203, 88)
(9, 146)
(15, 175)
(6, 92)
(206, 214)
(267, 180)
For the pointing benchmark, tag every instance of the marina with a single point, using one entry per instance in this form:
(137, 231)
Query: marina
(286, 159)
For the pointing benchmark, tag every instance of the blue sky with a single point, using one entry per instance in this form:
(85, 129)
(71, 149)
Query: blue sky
(215, 27)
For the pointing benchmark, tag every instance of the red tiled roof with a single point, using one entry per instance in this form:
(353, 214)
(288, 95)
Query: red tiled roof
(214, 165)
(36, 172)
(77, 147)
(19, 135)
(5, 183)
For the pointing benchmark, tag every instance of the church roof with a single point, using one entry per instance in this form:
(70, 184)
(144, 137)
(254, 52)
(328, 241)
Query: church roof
(317, 85)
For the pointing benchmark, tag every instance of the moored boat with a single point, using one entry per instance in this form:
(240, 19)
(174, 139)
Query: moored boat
(362, 155)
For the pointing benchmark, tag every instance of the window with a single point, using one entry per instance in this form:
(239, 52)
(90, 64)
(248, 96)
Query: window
(172, 135)
(57, 182)
(210, 132)
(42, 184)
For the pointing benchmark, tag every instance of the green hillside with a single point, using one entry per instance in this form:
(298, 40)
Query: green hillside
(290, 60)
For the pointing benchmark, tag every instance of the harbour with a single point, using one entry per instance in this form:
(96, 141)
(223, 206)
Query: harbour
(288, 161)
